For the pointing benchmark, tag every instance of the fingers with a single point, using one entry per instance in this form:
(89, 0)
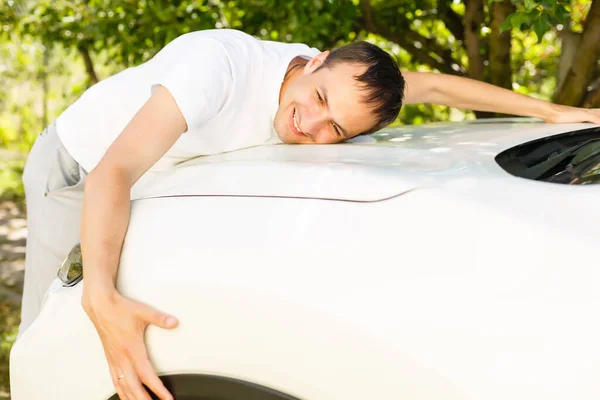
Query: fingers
(150, 379)
(116, 378)
(121, 329)
(131, 369)
(131, 385)
(574, 114)
(120, 380)
(157, 318)
(148, 376)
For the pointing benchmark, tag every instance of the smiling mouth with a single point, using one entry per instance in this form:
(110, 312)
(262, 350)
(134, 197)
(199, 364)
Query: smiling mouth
(294, 125)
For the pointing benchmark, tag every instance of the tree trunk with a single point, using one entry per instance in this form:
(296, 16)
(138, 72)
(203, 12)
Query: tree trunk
(473, 20)
(46, 65)
(569, 43)
(582, 69)
(474, 17)
(592, 100)
(501, 71)
(89, 65)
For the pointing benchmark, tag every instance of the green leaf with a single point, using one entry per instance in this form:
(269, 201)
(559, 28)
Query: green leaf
(541, 26)
(561, 13)
(507, 23)
(530, 5)
(517, 19)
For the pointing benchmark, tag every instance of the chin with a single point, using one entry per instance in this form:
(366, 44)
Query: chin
(281, 134)
(284, 135)
(287, 139)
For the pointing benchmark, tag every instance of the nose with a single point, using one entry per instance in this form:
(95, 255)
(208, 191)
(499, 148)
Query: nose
(313, 120)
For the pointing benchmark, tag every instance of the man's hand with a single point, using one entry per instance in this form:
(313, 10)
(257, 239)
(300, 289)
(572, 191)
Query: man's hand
(565, 114)
(121, 323)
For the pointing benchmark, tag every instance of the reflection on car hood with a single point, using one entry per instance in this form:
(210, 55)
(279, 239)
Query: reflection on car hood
(370, 168)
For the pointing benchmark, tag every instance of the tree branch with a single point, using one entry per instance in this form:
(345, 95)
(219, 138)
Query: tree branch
(89, 65)
(407, 41)
(432, 46)
(452, 20)
(367, 13)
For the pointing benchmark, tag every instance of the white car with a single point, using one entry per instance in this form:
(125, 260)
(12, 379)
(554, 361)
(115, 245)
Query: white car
(430, 262)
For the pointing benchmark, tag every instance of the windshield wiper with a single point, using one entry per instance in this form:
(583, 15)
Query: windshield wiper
(570, 161)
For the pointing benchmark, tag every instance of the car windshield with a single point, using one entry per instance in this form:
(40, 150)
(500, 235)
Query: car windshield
(572, 158)
(583, 167)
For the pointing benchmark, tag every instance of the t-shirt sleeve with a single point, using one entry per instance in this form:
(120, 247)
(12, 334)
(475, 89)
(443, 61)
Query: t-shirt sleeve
(197, 73)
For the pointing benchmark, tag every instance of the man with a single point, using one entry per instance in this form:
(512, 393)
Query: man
(204, 93)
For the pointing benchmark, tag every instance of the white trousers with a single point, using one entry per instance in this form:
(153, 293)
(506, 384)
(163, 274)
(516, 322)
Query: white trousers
(53, 183)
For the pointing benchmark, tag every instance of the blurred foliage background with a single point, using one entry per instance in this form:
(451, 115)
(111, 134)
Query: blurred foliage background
(51, 51)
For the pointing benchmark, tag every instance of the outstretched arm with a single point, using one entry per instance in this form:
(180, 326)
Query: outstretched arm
(121, 321)
(454, 91)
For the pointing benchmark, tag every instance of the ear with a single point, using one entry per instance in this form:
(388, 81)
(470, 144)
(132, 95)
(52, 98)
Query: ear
(315, 62)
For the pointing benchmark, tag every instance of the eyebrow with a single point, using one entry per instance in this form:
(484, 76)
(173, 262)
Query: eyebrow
(344, 132)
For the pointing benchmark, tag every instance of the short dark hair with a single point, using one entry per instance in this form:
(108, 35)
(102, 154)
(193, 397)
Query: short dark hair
(383, 82)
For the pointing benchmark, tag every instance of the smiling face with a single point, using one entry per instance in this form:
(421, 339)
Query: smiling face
(323, 105)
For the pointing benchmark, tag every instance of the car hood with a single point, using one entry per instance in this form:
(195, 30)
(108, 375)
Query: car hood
(365, 169)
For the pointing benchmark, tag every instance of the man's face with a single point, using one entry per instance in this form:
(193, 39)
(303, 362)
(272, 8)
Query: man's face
(324, 106)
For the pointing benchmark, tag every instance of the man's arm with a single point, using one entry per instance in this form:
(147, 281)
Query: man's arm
(121, 322)
(454, 91)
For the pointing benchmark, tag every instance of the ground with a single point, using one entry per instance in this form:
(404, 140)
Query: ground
(13, 234)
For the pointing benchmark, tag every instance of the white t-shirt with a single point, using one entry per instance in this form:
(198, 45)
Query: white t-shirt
(226, 84)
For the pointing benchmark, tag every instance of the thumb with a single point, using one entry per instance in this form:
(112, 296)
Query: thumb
(155, 317)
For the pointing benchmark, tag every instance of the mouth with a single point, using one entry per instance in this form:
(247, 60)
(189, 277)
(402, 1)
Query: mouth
(294, 127)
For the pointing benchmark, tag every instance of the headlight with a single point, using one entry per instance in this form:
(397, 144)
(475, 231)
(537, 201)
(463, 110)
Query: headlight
(71, 270)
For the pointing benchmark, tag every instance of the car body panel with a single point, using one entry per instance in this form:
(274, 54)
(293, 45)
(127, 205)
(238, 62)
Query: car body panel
(465, 283)
(369, 168)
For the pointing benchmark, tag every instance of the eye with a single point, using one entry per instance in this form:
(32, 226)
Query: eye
(337, 130)
(319, 97)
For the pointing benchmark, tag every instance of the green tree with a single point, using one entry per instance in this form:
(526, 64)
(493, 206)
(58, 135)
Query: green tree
(472, 38)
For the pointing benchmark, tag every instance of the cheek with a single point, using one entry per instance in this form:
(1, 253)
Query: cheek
(301, 94)
(360, 118)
